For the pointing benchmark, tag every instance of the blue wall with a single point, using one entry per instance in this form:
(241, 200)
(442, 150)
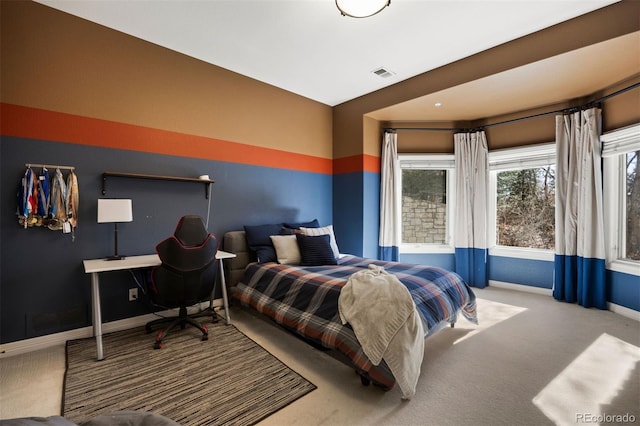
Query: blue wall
(445, 261)
(347, 215)
(371, 214)
(624, 289)
(55, 295)
(357, 212)
(535, 273)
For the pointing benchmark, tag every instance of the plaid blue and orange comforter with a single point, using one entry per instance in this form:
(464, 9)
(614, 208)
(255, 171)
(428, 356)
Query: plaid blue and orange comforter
(305, 300)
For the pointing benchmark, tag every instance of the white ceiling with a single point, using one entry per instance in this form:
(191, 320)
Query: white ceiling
(308, 48)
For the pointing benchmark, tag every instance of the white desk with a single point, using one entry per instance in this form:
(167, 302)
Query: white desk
(95, 266)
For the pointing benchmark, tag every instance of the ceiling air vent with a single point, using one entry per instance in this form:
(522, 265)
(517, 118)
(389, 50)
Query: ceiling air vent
(382, 72)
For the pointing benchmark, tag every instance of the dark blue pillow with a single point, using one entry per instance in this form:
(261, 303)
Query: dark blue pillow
(259, 235)
(296, 225)
(259, 241)
(266, 254)
(315, 250)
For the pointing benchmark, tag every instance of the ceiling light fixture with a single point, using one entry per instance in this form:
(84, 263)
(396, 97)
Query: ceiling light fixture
(361, 8)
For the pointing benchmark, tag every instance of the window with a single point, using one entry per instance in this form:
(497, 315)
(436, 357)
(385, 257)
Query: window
(427, 200)
(620, 150)
(525, 214)
(424, 206)
(632, 208)
(522, 202)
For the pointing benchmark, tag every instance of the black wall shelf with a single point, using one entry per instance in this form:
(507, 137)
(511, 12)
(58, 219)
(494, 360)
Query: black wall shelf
(105, 175)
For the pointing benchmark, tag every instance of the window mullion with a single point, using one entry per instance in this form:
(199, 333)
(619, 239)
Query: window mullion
(611, 195)
(621, 229)
(492, 215)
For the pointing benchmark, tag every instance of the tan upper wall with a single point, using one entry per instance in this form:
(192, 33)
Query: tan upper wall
(58, 62)
(618, 111)
(348, 136)
(55, 61)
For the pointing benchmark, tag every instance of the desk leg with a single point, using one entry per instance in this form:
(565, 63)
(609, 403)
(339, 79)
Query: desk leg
(97, 315)
(225, 301)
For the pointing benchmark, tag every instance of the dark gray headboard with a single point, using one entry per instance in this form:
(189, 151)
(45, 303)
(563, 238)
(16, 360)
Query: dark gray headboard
(236, 242)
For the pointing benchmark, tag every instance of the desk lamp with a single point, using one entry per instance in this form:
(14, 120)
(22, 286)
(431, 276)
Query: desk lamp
(114, 211)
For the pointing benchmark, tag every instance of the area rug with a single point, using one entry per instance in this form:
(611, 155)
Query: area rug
(227, 380)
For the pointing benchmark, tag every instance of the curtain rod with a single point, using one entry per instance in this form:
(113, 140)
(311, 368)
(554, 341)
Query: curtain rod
(563, 111)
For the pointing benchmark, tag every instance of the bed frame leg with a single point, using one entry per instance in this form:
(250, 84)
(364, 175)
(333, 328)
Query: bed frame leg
(364, 380)
(453, 324)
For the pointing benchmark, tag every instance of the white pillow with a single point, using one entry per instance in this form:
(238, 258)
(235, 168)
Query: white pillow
(325, 230)
(287, 250)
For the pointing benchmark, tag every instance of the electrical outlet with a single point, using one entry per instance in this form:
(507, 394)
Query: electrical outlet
(133, 294)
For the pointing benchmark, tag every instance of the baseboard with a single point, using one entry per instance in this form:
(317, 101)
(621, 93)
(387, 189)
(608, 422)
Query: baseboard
(43, 342)
(624, 311)
(521, 287)
(618, 309)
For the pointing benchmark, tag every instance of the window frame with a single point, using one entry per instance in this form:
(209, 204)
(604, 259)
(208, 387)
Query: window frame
(516, 158)
(431, 162)
(615, 146)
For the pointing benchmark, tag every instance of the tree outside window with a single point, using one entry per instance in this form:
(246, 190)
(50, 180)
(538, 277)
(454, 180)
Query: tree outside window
(525, 213)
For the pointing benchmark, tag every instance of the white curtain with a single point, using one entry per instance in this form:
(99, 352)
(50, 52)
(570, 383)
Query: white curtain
(470, 235)
(579, 274)
(390, 203)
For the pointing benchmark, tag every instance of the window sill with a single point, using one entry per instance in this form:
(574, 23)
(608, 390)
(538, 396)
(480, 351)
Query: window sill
(426, 249)
(522, 253)
(624, 266)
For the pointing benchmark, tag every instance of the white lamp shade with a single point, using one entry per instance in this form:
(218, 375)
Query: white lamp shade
(361, 8)
(114, 210)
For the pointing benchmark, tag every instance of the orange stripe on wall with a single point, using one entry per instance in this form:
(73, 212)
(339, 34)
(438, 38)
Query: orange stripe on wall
(371, 163)
(41, 124)
(357, 163)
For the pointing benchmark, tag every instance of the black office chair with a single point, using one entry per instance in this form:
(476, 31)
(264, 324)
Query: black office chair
(186, 276)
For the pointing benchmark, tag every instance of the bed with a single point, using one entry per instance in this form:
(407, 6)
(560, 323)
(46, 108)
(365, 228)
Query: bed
(304, 300)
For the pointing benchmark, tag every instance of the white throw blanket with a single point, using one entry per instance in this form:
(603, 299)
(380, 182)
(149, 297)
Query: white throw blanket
(386, 322)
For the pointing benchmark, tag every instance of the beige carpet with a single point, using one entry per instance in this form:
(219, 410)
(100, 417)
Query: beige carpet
(228, 379)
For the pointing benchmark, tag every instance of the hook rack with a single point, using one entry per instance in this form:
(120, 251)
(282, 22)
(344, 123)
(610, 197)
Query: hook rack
(50, 166)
